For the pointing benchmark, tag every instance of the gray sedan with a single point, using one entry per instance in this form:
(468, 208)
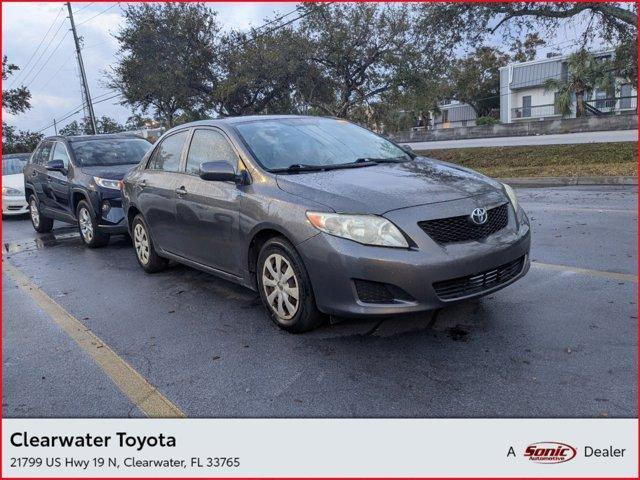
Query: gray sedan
(323, 217)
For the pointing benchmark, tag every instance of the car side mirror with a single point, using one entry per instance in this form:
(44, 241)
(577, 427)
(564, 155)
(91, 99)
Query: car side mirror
(56, 166)
(218, 172)
(407, 149)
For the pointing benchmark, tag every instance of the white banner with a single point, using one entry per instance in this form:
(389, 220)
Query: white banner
(319, 447)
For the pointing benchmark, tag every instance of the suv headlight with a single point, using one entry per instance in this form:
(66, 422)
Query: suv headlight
(107, 183)
(365, 229)
(14, 192)
(512, 196)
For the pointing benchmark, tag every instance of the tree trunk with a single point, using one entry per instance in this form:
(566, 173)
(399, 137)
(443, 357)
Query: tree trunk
(580, 104)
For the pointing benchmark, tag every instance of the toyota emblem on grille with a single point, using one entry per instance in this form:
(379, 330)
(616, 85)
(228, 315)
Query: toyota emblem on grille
(479, 216)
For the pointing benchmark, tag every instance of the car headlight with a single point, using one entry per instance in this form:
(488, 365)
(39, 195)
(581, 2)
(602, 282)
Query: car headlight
(365, 229)
(107, 183)
(14, 192)
(512, 196)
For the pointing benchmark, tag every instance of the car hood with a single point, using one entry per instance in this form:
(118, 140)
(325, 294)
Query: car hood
(14, 181)
(384, 187)
(111, 172)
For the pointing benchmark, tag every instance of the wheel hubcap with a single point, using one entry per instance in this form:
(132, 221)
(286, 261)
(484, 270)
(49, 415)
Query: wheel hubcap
(86, 227)
(141, 242)
(280, 286)
(35, 215)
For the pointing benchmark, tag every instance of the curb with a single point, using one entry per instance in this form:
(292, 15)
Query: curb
(568, 181)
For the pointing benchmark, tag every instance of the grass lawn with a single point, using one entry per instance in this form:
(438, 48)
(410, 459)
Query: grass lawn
(586, 159)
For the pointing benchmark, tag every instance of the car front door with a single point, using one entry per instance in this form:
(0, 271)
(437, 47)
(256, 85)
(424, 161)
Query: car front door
(207, 211)
(59, 181)
(155, 190)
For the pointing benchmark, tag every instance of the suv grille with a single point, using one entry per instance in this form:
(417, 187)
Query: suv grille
(460, 229)
(464, 286)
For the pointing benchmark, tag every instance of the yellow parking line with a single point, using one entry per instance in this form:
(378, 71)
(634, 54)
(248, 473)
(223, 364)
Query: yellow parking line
(144, 395)
(587, 271)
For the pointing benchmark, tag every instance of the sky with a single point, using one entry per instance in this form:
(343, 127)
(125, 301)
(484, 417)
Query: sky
(49, 66)
(52, 75)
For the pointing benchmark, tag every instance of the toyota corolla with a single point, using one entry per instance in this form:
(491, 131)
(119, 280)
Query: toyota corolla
(323, 217)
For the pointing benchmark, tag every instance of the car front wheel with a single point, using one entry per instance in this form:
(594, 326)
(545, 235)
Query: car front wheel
(41, 224)
(146, 254)
(88, 226)
(285, 288)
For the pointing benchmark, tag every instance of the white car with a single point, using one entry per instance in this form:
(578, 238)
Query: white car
(13, 201)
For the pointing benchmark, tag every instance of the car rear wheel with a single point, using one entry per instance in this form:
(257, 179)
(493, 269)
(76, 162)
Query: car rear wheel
(88, 226)
(41, 224)
(146, 254)
(285, 288)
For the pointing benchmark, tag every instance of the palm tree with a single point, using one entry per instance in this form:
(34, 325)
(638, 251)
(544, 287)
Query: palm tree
(584, 73)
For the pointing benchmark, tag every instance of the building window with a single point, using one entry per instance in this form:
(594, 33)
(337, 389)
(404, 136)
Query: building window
(526, 106)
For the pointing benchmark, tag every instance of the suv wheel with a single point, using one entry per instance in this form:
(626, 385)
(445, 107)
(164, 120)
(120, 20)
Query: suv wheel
(88, 226)
(146, 254)
(285, 288)
(41, 224)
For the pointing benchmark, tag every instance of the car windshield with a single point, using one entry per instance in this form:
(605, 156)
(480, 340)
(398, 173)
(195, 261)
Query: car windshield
(287, 143)
(13, 165)
(109, 151)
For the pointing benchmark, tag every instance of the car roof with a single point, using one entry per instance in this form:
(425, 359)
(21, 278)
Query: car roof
(15, 155)
(215, 122)
(84, 138)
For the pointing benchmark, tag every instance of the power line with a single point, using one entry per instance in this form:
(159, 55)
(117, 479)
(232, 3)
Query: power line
(98, 14)
(62, 65)
(42, 53)
(16, 78)
(48, 58)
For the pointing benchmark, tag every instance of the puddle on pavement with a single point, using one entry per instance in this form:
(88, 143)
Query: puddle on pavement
(44, 241)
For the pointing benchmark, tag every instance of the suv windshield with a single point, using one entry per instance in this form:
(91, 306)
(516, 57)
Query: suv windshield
(13, 165)
(279, 144)
(109, 151)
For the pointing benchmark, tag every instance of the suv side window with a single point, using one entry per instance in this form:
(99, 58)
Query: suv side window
(209, 146)
(45, 152)
(60, 153)
(167, 155)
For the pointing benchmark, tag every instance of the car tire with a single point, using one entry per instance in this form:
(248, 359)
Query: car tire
(88, 226)
(281, 275)
(41, 224)
(146, 253)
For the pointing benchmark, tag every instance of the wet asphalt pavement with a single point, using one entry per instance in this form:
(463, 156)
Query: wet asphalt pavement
(562, 342)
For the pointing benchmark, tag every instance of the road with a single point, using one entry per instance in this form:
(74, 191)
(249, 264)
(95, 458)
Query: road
(559, 139)
(88, 334)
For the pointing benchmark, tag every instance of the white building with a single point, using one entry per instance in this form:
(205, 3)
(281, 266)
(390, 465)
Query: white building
(454, 114)
(523, 96)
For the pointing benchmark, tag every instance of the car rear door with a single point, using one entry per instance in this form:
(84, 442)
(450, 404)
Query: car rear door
(155, 190)
(36, 173)
(59, 181)
(207, 211)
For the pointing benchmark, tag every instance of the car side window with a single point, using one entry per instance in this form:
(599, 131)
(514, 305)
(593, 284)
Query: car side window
(209, 146)
(45, 152)
(60, 153)
(167, 155)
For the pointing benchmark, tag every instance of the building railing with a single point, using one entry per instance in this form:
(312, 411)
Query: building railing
(604, 105)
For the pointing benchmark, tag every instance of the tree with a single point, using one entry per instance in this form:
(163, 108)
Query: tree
(104, 124)
(475, 79)
(526, 49)
(584, 73)
(258, 72)
(15, 100)
(165, 49)
(20, 141)
(359, 51)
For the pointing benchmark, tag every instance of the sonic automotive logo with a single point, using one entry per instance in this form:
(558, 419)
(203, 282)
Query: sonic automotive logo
(550, 452)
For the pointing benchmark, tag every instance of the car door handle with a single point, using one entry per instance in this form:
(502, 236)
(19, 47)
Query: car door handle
(142, 183)
(181, 191)
(34, 173)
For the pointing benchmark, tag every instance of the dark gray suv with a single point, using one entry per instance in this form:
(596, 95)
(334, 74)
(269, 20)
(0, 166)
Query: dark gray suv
(321, 216)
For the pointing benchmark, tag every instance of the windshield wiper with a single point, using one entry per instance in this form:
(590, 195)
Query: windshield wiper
(382, 160)
(303, 167)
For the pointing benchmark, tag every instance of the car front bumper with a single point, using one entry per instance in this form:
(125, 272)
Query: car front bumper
(14, 205)
(338, 268)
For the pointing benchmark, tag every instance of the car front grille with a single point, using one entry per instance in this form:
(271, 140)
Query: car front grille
(460, 229)
(478, 283)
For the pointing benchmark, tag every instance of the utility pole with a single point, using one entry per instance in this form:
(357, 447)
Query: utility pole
(83, 75)
(55, 126)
